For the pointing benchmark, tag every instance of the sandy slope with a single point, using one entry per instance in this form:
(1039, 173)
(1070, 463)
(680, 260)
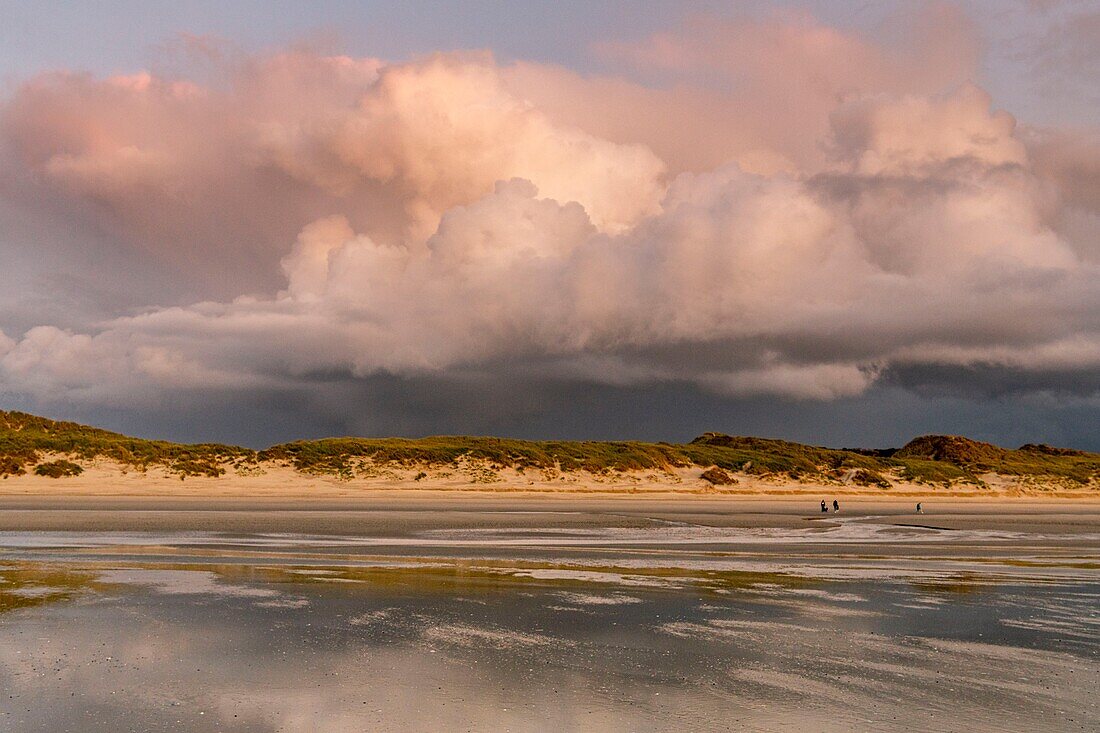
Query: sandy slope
(104, 478)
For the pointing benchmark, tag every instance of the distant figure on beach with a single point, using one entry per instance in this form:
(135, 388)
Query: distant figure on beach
(824, 508)
(919, 510)
(836, 506)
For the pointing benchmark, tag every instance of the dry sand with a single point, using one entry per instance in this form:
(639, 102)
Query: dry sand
(391, 502)
(270, 481)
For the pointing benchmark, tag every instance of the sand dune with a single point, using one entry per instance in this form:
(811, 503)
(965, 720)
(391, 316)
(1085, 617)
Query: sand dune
(108, 479)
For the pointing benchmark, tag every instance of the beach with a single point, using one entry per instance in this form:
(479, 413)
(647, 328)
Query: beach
(397, 511)
(550, 367)
(427, 610)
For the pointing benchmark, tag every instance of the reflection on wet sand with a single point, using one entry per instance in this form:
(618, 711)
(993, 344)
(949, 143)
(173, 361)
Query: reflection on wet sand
(533, 629)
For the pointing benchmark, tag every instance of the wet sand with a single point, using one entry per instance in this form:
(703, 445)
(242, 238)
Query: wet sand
(565, 614)
(386, 514)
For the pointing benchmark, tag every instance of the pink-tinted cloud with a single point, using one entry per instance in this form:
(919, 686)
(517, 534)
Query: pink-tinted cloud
(776, 77)
(798, 211)
(213, 177)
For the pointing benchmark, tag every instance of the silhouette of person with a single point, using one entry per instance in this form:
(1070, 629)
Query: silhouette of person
(836, 506)
(824, 508)
(919, 510)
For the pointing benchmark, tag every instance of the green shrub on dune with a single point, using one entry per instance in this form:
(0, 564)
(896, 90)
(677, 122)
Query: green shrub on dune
(11, 466)
(24, 437)
(58, 469)
(953, 457)
(337, 454)
(935, 459)
(867, 477)
(922, 471)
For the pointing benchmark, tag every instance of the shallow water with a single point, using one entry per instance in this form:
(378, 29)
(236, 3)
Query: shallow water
(856, 624)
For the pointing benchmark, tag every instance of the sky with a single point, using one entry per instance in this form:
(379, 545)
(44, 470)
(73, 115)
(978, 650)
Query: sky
(840, 223)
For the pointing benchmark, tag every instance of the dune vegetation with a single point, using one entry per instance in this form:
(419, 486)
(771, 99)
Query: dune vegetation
(56, 449)
(25, 439)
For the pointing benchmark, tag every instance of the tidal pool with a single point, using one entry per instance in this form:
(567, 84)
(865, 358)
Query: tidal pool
(852, 626)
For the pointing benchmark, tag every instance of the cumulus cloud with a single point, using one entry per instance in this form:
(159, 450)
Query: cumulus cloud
(214, 178)
(914, 135)
(441, 131)
(443, 217)
(758, 88)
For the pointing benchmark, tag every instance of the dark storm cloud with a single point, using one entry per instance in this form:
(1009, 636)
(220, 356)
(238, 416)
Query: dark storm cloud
(453, 244)
(981, 381)
(884, 416)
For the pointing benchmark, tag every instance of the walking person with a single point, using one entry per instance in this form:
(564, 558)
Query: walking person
(836, 506)
(824, 508)
(919, 510)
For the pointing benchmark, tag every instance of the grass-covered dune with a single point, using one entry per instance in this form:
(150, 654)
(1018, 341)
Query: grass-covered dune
(24, 439)
(55, 449)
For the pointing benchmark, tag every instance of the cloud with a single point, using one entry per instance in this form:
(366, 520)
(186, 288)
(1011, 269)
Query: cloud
(760, 87)
(1067, 162)
(914, 135)
(1066, 59)
(815, 382)
(336, 220)
(217, 178)
(443, 130)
